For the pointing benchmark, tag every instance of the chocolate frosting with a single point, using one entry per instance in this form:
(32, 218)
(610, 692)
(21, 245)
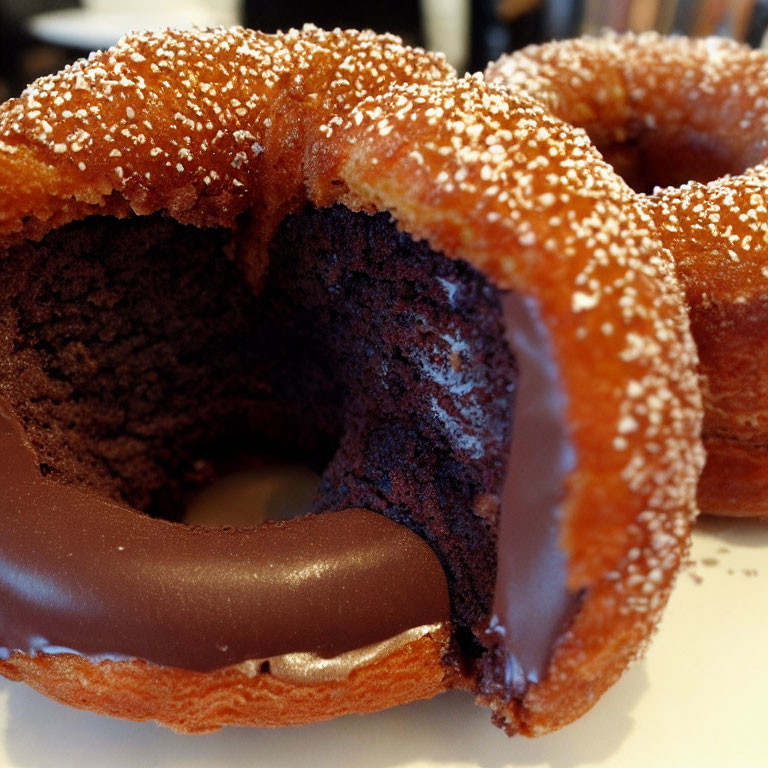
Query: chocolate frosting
(531, 602)
(84, 574)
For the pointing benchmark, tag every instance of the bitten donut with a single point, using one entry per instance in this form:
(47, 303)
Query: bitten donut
(686, 122)
(221, 246)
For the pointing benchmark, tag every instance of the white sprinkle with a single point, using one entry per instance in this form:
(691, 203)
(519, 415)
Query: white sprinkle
(582, 301)
(627, 424)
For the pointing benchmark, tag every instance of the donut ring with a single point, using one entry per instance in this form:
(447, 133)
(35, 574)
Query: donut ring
(353, 124)
(685, 119)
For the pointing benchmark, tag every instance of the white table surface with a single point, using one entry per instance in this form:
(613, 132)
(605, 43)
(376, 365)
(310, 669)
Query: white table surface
(698, 699)
(93, 30)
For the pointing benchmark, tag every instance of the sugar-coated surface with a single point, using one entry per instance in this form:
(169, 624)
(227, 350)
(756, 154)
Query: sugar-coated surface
(707, 102)
(715, 87)
(208, 125)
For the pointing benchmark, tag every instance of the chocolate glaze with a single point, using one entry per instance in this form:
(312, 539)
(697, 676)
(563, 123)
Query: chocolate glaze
(531, 602)
(80, 572)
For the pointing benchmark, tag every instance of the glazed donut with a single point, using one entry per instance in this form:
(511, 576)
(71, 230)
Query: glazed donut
(324, 246)
(685, 123)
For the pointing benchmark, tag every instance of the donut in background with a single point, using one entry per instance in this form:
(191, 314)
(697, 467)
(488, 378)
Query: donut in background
(684, 122)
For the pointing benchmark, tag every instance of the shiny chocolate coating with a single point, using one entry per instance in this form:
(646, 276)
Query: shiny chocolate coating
(81, 573)
(531, 603)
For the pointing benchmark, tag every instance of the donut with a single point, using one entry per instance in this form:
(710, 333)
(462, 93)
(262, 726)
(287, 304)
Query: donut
(222, 247)
(684, 122)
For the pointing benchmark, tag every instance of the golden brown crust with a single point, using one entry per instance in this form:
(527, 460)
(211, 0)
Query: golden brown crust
(720, 242)
(710, 92)
(616, 87)
(196, 702)
(259, 125)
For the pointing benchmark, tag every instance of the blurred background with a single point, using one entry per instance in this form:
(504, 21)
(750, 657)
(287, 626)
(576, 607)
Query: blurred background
(40, 36)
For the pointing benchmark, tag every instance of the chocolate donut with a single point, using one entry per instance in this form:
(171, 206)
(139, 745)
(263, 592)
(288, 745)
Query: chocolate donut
(323, 246)
(685, 123)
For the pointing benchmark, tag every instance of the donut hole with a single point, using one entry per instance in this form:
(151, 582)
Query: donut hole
(647, 158)
(253, 495)
(143, 367)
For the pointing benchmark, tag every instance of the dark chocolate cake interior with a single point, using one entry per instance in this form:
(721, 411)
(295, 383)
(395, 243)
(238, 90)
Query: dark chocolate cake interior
(143, 366)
